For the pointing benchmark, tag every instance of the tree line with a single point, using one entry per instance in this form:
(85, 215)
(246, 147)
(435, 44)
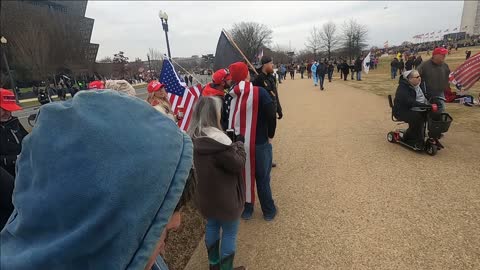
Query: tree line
(347, 41)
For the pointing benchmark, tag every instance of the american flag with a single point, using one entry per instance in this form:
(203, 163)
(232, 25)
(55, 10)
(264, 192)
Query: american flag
(243, 119)
(179, 94)
(468, 73)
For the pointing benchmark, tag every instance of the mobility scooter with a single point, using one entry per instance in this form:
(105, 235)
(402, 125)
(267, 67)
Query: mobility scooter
(435, 125)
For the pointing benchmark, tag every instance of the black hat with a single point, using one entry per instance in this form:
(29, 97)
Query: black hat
(266, 59)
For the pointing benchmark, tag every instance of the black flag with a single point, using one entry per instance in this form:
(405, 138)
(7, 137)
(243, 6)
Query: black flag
(226, 53)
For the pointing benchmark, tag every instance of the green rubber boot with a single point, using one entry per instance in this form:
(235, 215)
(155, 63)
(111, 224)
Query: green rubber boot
(214, 256)
(227, 263)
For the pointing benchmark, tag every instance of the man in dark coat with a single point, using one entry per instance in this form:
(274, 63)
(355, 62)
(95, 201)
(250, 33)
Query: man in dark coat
(266, 80)
(322, 70)
(358, 68)
(345, 69)
(409, 63)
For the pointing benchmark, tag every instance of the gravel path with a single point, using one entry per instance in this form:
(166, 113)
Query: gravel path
(348, 199)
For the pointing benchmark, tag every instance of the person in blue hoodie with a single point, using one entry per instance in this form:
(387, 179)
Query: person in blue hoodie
(110, 209)
(314, 73)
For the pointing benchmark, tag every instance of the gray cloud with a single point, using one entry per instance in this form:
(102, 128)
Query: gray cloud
(134, 26)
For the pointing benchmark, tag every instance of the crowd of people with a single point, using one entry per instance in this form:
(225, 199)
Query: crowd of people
(139, 169)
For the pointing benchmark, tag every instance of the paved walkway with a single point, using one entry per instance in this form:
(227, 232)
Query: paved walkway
(348, 199)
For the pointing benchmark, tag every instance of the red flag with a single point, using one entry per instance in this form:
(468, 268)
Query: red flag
(468, 73)
(243, 119)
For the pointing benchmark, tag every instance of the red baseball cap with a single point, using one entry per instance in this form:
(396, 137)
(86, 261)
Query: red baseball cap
(96, 85)
(154, 86)
(221, 75)
(7, 101)
(440, 50)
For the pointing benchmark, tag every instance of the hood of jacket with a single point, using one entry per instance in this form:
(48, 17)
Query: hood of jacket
(208, 146)
(105, 200)
(13, 122)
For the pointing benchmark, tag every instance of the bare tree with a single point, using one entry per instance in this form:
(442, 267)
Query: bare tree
(251, 37)
(314, 41)
(328, 37)
(156, 59)
(354, 38)
(106, 59)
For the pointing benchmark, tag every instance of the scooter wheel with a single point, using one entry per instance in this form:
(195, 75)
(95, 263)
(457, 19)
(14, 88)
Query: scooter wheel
(431, 149)
(391, 137)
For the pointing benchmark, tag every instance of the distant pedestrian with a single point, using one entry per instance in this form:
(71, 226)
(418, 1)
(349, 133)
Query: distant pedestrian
(358, 68)
(468, 53)
(394, 67)
(330, 69)
(302, 69)
(291, 69)
(409, 63)
(345, 68)
(417, 62)
(309, 70)
(401, 66)
(190, 78)
(352, 68)
(322, 70)
(314, 73)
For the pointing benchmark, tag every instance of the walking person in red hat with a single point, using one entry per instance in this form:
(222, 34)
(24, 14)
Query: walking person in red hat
(11, 131)
(435, 73)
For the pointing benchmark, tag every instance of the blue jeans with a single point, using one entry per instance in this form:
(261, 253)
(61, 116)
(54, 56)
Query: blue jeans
(228, 238)
(321, 79)
(315, 79)
(263, 167)
(359, 75)
(394, 72)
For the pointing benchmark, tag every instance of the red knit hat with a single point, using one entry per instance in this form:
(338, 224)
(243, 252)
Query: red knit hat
(440, 50)
(239, 71)
(154, 86)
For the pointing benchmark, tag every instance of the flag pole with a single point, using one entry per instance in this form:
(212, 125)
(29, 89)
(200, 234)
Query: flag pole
(182, 68)
(235, 45)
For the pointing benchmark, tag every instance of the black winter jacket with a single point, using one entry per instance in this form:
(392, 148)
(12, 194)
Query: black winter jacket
(322, 69)
(269, 82)
(11, 137)
(405, 99)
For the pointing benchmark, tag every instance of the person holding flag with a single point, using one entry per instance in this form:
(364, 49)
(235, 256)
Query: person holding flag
(252, 114)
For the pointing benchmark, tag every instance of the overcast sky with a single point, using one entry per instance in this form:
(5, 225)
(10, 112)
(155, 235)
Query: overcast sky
(194, 27)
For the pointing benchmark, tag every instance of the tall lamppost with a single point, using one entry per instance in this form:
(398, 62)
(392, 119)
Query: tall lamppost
(164, 18)
(4, 41)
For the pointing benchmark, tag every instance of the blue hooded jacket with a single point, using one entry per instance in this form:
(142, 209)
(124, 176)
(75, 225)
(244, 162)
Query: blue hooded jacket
(97, 181)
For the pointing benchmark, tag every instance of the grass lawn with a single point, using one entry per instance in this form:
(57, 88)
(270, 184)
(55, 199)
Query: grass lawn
(378, 82)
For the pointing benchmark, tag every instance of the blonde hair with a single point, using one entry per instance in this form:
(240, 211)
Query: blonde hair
(121, 86)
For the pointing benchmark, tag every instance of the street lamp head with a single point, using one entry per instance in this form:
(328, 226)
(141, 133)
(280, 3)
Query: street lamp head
(162, 15)
(3, 40)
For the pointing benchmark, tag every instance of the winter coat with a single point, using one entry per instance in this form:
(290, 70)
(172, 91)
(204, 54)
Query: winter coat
(345, 68)
(435, 78)
(405, 98)
(314, 68)
(219, 163)
(409, 64)
(269, 83)
(321, 69)
(358, 65)
(12, 134)
(395, 63)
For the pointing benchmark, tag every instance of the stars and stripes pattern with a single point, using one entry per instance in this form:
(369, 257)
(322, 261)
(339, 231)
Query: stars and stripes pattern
(468, 73)
(243, 119)
(179, 94)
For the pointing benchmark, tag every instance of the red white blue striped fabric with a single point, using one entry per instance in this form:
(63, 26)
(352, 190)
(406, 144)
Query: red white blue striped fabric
(243, 119)
(190, 97)
(468, 73)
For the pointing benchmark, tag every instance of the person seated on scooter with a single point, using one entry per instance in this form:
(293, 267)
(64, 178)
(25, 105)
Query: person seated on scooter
(409, 95)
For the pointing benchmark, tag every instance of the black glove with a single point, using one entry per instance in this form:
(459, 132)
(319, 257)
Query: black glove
(240, 138)
(280, 115)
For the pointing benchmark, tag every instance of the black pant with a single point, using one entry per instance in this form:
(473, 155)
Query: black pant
(345, 75)
(292, 75)
(416, 122)
(330, 75)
